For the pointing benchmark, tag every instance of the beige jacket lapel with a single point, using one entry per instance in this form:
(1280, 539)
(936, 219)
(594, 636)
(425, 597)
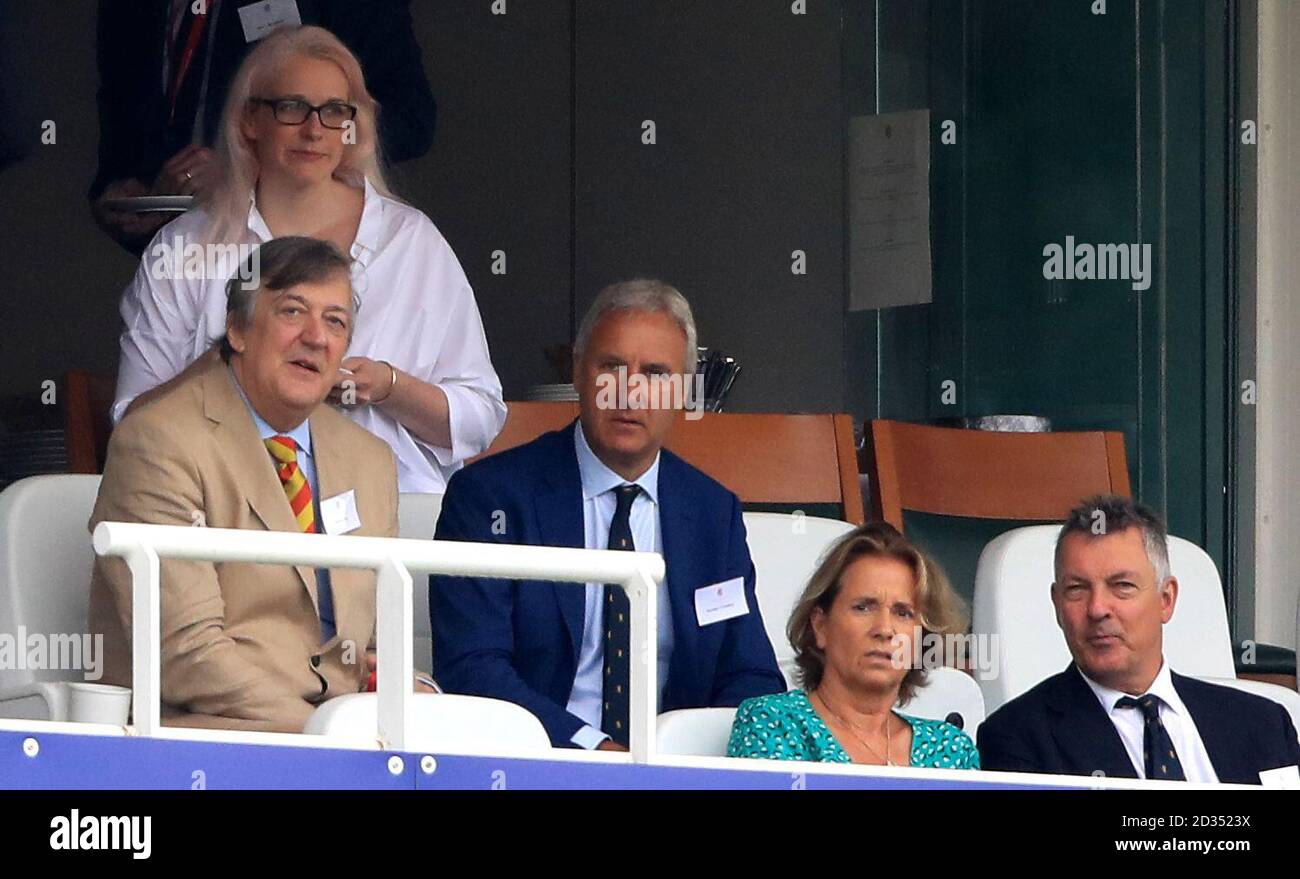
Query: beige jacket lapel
(250, 461)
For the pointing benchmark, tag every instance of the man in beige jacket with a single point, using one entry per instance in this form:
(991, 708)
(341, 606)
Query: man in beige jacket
(241, 440)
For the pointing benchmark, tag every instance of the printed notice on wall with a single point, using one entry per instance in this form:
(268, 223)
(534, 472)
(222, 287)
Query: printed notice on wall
(889, 210)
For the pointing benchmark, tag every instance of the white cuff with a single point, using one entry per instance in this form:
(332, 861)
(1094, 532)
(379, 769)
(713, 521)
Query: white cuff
(588, 737)
(473, 420)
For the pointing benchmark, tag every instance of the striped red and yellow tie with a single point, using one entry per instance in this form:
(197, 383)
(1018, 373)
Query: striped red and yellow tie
(285, 452)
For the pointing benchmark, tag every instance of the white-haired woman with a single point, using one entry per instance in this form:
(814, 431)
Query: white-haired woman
(298, 155)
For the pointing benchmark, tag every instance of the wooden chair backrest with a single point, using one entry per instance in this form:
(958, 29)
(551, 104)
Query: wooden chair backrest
(988, 475)
(86, 401)
(764, 459)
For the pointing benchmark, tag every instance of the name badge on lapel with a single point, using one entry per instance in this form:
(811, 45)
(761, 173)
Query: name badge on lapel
(259, 19)
(721, 601)
(339, 513)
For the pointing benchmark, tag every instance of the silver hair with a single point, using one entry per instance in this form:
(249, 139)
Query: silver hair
(1108, 514)
(641, 294)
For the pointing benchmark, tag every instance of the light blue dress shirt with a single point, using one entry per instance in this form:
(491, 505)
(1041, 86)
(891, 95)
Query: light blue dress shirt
(598, 504)
(302, 436)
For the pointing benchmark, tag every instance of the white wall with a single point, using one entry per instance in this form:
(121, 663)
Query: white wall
(1277, 505)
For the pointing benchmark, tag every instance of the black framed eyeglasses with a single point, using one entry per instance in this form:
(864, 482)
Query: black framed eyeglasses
(292, 111)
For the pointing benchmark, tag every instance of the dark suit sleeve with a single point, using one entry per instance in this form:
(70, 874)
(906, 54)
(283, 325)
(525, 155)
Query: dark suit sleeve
(472, 618)
(746, 664)
(380, 34)
(1004, 746)
(121, 31)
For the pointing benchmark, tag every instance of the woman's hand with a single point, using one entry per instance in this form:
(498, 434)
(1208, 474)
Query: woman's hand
(190, 172)
(420, 407)
(370, 381)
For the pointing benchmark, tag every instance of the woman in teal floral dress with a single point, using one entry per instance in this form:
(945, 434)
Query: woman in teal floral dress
(853, 630)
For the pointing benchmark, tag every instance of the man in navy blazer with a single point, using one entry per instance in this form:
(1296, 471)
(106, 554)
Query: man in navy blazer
(604, 482)
(1119, 710)
(1061, 727)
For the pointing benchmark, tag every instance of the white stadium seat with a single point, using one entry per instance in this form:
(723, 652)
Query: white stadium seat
(695, 732)
(786, 549)
(443, 723)
(1013, 601)
(949, 691)
(45, 565)
(417, 516)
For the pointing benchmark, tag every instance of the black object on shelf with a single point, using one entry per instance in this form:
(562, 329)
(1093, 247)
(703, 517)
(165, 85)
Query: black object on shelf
(719, 374)
(1269, 659)
(1000, 423)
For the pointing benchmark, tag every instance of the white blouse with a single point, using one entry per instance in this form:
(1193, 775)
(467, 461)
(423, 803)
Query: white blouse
(416, 311)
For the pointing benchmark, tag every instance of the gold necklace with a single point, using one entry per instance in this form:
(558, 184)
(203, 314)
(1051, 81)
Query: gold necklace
(854, 731)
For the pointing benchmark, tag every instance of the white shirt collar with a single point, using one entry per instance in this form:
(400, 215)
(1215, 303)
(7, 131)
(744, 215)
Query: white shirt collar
(1162, 688)
(300, 434)
(363, 246)
(598, 479)
(256, 224)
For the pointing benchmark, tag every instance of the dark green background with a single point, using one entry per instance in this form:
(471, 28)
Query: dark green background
(1111, 128)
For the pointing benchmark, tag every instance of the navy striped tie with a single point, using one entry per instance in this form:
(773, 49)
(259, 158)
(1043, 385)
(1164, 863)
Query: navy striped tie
(616, 701)
(1161, 760)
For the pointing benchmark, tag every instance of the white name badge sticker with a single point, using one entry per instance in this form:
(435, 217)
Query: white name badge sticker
(339, 513)
(260, 19)
(721, 601)
(1284, 778)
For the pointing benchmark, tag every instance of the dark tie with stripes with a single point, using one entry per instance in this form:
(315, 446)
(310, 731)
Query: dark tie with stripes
(1161, 760)
(618, 627)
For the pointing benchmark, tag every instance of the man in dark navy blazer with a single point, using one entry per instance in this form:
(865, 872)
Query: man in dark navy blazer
(1118, 709)
(561, 649)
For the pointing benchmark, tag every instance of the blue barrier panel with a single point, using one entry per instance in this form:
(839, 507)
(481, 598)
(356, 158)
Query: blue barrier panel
(457, 772)
(61, 761)
(69, 761)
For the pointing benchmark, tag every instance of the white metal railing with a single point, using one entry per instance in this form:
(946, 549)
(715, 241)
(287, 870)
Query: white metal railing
(394, 560)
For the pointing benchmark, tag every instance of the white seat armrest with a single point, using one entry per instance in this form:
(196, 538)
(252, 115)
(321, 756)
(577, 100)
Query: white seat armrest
(36, 701)
(695, 732)
(443, 724)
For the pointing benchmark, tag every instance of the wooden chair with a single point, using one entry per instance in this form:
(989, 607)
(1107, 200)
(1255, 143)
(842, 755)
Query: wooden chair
(1037, 477)
(772, 460)
(87, 399)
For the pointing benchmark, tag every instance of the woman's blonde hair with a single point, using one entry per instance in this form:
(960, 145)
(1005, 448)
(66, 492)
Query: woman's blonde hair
(940, 609)
(237, 163)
